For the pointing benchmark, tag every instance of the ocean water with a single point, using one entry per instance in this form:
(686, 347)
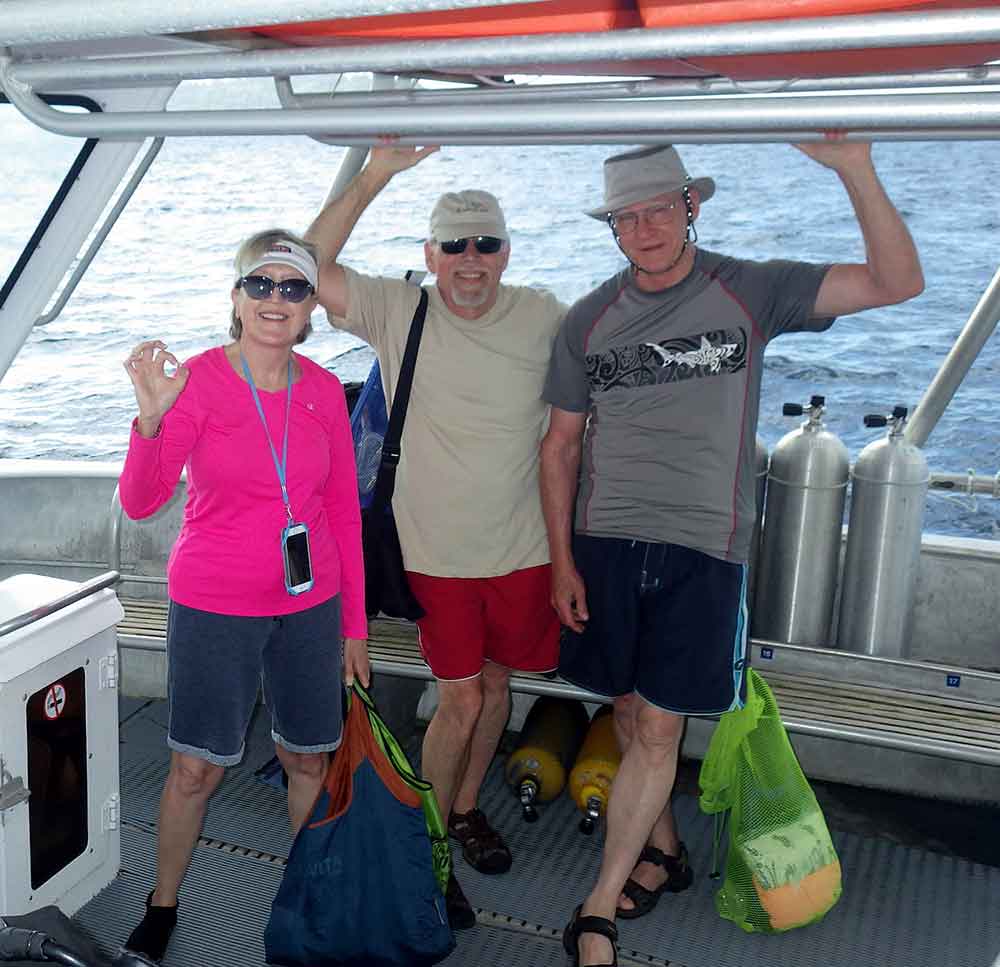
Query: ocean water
(165, 272)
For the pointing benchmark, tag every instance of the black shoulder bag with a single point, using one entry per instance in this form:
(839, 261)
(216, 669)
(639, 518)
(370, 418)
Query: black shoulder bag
(386, 588)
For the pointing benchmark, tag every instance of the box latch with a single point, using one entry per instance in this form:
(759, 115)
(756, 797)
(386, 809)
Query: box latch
(13, 791)
(109, 671)
(111, 813)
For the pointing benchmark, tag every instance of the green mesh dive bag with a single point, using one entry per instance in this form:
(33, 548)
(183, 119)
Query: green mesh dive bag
(781, 868)
(436, 829)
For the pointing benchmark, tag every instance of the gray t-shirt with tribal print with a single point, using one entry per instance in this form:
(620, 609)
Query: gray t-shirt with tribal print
(670, 381)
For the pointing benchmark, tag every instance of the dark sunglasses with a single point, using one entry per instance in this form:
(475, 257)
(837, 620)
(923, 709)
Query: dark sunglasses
(485, 245)
(260, 287)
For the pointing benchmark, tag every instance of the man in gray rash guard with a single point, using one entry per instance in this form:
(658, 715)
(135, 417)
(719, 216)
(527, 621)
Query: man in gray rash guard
(654, 384)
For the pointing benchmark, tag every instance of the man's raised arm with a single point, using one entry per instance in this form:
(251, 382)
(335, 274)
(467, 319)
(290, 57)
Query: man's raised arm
(332, 227)
(891, 272)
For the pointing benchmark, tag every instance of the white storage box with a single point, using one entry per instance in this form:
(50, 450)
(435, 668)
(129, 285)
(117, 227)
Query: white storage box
(59, 792)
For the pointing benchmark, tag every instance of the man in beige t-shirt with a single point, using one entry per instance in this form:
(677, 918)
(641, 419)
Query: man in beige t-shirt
(466, 503)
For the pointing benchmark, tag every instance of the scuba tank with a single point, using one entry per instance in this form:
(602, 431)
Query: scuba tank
(550, 738)
(803, 526)
(595, 768)
(888, 496)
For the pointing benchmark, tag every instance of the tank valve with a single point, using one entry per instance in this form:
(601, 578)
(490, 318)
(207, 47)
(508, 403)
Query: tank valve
(895, 420)
(593, 814)
(814, 408)
(528, 793)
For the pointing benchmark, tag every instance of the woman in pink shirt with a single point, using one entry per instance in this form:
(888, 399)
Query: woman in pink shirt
(266, 578)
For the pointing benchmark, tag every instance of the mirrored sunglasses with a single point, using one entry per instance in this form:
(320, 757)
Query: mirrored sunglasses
(260, 287)
(485, 245)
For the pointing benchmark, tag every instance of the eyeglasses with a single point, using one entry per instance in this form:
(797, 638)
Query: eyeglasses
(485, 245)
(624, 223)
(260, 287)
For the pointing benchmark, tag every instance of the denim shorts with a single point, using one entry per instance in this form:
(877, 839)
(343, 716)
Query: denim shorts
(666, 622)
(217, 662)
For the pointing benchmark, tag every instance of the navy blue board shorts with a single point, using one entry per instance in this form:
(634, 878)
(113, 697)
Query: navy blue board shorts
(666, 622)
(217, 662)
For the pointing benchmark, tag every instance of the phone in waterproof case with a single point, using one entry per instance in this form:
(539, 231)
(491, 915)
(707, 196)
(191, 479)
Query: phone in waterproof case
(298, 562)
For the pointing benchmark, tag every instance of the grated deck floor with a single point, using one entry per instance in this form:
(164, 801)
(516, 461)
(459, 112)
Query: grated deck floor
(902, 905)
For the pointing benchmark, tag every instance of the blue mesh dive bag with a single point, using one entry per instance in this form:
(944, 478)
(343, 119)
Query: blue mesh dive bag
(361, 888)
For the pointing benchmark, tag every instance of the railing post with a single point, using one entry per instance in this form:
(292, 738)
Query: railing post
(957, 363)
(115, 532)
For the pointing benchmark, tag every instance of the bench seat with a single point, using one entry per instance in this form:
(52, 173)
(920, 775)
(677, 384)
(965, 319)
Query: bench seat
(866, 714)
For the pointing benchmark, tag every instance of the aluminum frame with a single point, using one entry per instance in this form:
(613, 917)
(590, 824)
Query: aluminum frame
(688, 111)
(890, 116)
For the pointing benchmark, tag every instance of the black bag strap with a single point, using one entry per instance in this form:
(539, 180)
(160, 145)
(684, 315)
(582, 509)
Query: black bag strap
(385, 483)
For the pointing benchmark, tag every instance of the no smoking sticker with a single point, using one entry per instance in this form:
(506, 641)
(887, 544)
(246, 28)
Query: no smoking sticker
(55, 701)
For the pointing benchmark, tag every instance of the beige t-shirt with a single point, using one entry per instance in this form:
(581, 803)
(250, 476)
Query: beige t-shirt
(466, 501)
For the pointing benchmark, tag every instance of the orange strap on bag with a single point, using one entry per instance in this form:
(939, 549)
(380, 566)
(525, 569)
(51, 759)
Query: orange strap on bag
(357, 744)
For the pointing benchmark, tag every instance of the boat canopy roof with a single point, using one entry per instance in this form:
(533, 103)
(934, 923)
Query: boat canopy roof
(614, 70)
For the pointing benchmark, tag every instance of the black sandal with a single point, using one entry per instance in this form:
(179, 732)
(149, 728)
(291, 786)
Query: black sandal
(599, 925)
(679, 877)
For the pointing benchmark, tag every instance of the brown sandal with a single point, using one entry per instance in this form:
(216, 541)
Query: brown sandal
(482, 846)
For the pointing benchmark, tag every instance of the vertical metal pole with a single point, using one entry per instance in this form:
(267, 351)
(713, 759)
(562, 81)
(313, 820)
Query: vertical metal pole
(353, 162)
(963, 354)
(355, 158)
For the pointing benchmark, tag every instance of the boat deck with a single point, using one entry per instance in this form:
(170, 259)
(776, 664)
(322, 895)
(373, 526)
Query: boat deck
(916, 891)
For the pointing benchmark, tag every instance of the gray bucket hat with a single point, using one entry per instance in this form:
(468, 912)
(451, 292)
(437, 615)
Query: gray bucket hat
(645, 173)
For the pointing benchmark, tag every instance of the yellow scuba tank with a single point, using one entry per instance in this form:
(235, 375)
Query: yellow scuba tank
(595, 768)
(551, 736)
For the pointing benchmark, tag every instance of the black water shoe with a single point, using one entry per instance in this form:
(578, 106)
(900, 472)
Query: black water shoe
(152, 935)
(461, 916)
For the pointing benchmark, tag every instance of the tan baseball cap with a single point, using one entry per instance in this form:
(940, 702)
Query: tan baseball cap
(465, 214)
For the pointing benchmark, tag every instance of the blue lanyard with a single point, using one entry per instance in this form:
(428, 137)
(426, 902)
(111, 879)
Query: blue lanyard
(283, 466)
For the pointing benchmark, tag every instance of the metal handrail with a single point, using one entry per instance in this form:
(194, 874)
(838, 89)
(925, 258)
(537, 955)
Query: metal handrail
(908, 116)
(99, 583)
(355, 158)
(975, 77)
(115, 532)
(970, 484)
(102, 233)
(115, 545)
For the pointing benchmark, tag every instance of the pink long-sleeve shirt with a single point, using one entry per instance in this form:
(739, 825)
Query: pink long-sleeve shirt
(227, 558)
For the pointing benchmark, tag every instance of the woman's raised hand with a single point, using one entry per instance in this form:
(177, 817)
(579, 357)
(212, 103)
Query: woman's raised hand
(155, 391)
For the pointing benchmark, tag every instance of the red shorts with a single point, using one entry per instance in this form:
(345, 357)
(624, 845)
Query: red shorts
(508, 620)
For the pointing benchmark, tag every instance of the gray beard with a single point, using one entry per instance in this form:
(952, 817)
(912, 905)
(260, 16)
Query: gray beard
(470, 300)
